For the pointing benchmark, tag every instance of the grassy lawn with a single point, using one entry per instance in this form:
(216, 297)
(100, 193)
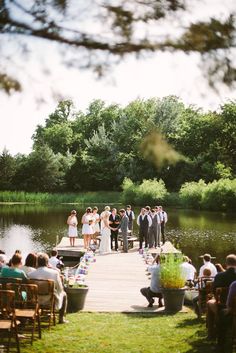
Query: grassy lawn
(124, 333)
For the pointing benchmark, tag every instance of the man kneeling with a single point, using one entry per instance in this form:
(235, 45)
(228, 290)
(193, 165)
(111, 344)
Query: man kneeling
(154, 290)
(45, 272)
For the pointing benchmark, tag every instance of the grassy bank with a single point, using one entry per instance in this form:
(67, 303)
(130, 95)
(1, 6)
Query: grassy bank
(219, 195)
(48, 198)
(120, 333)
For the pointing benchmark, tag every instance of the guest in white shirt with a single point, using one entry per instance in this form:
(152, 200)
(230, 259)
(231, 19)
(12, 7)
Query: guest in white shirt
(188, 270)
(144, 221)
(54, 262)
(45, 272)
(207, 264)
(154, 290)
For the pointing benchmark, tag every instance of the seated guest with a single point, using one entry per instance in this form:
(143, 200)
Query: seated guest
(15, 270)
(30, 263)
(226, 318)
(207, 264)
(231, 296)
(219, 268)
(54, 262)
(154, 289)
(199, 302)
(222, 279)
(188, 270)
(3, 261)
(45, 272)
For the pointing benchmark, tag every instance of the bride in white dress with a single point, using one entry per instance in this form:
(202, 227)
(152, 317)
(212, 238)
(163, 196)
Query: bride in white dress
(105, 245)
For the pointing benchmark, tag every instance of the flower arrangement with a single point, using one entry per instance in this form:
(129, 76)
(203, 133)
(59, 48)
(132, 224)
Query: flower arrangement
(171, 273)
(75, 278)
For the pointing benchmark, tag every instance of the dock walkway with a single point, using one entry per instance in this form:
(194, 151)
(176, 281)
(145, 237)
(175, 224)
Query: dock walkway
(115, 279)
(114, 284)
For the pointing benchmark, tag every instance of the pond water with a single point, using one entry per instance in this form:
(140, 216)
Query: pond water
(37, 228)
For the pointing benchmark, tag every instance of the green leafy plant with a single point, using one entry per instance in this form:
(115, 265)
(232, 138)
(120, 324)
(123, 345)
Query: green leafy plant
(171, 274)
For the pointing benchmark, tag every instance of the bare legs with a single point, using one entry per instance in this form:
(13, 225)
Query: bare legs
(72, 241)
(87, 239)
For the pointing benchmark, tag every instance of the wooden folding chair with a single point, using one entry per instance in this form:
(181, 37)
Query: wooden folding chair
(221, 294)
(27, 306)
(5, 280)
(46, 299)
(205, 290)
(8, 322)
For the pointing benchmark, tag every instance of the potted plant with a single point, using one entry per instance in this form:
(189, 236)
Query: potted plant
(76, 294)
(172, 282)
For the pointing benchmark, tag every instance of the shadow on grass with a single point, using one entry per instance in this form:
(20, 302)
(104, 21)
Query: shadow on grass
(198, 342)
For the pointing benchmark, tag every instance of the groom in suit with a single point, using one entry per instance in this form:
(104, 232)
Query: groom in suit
(114, 221)
(123, 226)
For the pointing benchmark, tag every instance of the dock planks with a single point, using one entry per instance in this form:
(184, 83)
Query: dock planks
(114, 284)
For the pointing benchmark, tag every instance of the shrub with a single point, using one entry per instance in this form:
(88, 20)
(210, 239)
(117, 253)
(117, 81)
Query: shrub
(190, 194)
(220, 194)
(148, 192)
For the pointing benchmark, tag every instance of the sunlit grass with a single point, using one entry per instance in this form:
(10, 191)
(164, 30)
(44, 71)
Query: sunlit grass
(121, 333)
(49, 198)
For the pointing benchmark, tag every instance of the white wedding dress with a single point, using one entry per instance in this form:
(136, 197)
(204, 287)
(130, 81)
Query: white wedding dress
(105, 245)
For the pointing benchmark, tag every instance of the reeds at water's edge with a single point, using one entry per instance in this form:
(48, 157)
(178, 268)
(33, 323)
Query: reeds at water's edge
(51, 198)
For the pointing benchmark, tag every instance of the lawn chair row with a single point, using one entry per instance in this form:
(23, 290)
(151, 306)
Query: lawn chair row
(23, 306)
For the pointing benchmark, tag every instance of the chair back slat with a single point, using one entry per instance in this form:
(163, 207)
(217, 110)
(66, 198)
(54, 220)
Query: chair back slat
(221, 294)
(5, 280)
(7, 303)
(26, 295)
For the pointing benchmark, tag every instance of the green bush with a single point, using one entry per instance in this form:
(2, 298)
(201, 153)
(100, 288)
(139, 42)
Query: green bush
(190, 194)
(218, 195)
(148, 192)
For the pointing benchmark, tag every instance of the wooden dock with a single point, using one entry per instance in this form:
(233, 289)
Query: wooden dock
(64, 249)
(114, 284)
(115, 280)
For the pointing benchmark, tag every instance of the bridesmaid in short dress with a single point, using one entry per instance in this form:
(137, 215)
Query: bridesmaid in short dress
(72, 231)
(87, 228)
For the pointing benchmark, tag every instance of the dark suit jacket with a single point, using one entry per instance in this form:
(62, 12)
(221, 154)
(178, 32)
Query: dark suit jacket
(115, 223)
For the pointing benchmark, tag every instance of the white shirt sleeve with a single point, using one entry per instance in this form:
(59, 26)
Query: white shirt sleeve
(166, 217)
(133, 216)
(149, 221)
(138, 222)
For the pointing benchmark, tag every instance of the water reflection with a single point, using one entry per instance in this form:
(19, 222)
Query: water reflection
(19, 237)
(36, 227)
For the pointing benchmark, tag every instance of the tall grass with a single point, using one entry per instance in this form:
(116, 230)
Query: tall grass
(48, 198)
(171, 271)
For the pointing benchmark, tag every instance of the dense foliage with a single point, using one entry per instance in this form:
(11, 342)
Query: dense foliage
(119, 28)
(149, 192)
(145, 141)
(218, 195)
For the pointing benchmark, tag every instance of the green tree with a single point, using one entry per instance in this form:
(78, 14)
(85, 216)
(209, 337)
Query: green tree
(42, 170)
(7, 170)
(116, 32)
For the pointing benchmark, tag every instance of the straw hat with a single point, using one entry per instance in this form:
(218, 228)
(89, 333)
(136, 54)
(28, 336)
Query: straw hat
(207, 257)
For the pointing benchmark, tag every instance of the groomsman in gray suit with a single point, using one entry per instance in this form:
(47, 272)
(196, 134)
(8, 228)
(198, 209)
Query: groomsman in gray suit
(158, 234)
(123, 226)
(155, 230)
